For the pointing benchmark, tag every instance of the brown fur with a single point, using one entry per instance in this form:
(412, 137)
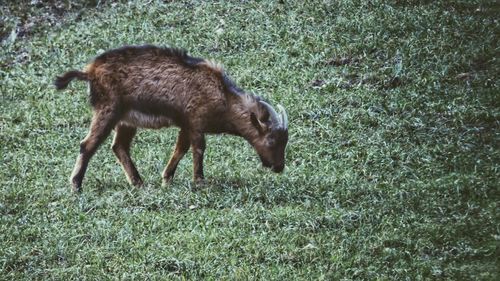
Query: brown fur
(152, 87)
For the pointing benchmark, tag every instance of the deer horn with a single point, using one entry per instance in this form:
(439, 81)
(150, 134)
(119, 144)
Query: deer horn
(284, 117)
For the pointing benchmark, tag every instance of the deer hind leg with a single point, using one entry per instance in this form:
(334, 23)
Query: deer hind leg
(198, 147)
(121, 147)
(181, 148)
(103, 122)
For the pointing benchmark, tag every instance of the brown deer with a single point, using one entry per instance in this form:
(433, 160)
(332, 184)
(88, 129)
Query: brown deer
(154, 87)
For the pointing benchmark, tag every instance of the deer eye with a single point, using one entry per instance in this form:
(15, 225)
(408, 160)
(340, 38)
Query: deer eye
(271, 142)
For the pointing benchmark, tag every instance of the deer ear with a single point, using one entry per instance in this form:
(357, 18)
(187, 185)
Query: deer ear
(256, 123)
(263, 114)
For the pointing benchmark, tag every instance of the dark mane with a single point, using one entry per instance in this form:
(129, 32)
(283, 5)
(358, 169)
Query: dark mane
(230, 85)
(128, 52)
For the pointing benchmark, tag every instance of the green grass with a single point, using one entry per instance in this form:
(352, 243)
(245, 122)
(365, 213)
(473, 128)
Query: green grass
(392, 165)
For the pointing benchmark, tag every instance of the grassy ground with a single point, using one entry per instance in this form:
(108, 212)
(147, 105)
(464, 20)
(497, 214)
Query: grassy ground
(392, 166)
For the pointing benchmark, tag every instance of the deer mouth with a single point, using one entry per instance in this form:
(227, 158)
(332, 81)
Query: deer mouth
(266, 163)
(278, 169)
(274, 168)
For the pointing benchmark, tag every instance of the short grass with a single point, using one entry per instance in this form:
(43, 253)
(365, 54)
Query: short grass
(392, 166)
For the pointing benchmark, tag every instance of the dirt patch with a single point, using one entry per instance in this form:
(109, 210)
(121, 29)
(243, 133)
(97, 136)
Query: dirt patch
(23, 18)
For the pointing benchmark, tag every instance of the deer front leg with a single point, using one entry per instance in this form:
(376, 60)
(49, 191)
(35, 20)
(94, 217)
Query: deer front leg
(198, 147)
(180, 150)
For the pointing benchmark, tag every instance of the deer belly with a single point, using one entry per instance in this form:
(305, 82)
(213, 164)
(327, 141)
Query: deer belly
(139, 119)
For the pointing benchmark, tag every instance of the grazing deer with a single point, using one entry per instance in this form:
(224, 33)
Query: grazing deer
(153, 87)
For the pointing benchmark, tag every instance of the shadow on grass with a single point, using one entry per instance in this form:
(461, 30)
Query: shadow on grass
(222, 183)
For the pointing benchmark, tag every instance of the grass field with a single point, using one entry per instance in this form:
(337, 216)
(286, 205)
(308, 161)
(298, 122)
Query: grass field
(392, 165)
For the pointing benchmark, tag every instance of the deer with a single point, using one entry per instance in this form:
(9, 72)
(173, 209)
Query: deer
(156, 87)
